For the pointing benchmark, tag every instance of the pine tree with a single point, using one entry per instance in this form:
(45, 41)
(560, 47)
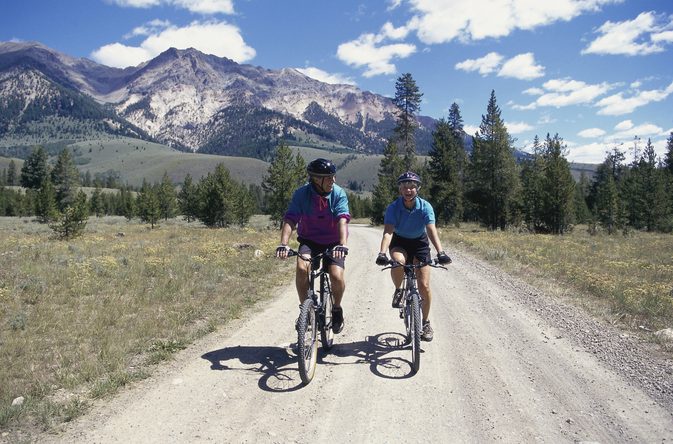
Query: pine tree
(285, 174)
(244, 204)
(168, 200)
(493, 176)
(668, 181)
(66, 179)
(97, 203)
(558, 187)
(11, 174)
(408, 102)
(668, 157)
(73, 220)
(605, 195)
(127, 203)
(532, 173)
(447, 160)
(582, 189)
(217, 198)
(188, 202)
(35, 169)
(386, 189)
(652, 201)
(149, 206)
(46, 209)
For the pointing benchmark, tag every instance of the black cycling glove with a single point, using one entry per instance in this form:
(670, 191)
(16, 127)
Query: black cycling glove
(382, 259)
(443, 258)
(341, 248)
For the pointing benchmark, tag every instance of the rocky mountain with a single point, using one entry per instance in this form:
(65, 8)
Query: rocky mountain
(191, 101)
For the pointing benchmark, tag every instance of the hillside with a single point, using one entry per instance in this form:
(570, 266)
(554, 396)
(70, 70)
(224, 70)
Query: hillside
(187, 100)
(132, 160)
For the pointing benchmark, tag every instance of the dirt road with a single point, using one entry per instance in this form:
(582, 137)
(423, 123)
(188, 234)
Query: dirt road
(497, 370)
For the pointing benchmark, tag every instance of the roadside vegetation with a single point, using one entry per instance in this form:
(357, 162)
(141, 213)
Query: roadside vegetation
(626, 279)
(82, 318)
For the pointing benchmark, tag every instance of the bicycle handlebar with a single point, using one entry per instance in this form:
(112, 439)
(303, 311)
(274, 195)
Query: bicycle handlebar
(434, 263)
(327, 252)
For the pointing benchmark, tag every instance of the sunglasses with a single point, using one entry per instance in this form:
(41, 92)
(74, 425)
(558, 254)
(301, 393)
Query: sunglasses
(409, 184)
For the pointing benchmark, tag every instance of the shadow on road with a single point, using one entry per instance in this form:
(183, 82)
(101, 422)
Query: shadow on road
(278, 365)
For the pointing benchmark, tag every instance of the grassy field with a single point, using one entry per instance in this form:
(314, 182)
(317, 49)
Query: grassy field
(80, 319)
(626, 279)
(136, 160)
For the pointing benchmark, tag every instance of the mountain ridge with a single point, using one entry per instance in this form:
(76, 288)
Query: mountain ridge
(184, 97)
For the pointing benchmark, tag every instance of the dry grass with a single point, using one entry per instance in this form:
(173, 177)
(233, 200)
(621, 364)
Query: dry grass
(632, 275)
(81, 318)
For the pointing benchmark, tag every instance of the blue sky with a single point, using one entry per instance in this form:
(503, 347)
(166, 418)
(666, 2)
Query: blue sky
(597, 72)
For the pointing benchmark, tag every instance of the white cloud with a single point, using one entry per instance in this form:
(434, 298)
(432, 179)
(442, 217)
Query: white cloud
(441, 21)
(534, 91)
(623, 138)
(196, 6)
(367, 51)
(643, 131)
(389, 31)
(149, 28)
(522, 67)
(323, 76)
(565, 92)
(587, 153)
(617, 104)
(664, 36)
(624, 125)
(629, 37)
(217, 38)
(591, 133)
(121, 56)
(393, 4)
(485, 65)
(518, 127)
(470, 129)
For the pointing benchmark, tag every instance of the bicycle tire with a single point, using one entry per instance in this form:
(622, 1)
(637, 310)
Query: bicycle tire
(415, 332)
(326, 333)
(307, 341)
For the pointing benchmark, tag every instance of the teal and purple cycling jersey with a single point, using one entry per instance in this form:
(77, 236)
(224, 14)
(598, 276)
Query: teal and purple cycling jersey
(317, 217)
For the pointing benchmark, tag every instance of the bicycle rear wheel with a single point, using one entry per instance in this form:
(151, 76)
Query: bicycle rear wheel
(326, 333)
(307, 341)
(415, 328)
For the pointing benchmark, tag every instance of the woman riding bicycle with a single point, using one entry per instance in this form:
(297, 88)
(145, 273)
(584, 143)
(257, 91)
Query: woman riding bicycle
(319, 212)
(408, 223)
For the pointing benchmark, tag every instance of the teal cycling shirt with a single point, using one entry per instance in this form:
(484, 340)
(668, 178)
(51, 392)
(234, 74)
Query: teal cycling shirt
(409, 223)
(317, 216)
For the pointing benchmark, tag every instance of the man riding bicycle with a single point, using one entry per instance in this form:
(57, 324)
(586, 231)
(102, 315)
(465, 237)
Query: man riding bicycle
(408, 223)
(319, 211)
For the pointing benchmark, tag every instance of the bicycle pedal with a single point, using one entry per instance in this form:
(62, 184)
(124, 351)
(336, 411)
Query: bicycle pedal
(401, 314)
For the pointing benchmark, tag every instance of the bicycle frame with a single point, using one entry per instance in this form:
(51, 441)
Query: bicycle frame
(411, 310)
(318, 270)
(315, 315)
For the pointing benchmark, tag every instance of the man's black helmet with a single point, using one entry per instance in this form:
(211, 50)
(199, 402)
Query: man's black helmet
(409, 177)
(321, 168)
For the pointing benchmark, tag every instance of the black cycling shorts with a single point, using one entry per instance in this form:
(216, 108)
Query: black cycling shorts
(309, 247)
(418, 248)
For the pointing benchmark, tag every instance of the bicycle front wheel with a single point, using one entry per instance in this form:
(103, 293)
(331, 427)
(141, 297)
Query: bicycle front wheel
(326, 333)
(307, 341)
(415, 328)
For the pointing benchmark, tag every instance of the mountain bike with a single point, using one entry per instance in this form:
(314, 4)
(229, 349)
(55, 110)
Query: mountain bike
(315, 315)
(411, 309)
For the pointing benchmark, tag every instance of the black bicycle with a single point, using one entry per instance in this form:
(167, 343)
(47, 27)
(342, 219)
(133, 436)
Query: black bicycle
(315, 315)
(411, 309)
